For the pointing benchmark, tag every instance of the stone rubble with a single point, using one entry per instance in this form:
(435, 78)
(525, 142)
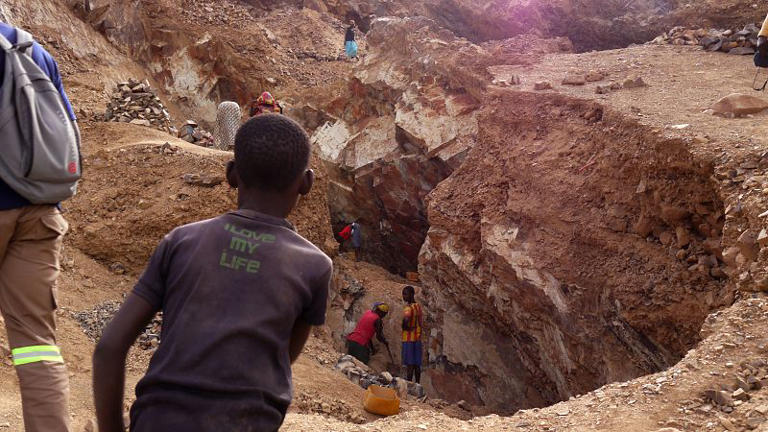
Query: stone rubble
(94, 320)
(737, 42)
(192, 133)
(361, 375)
(205, 180)
(137, 103)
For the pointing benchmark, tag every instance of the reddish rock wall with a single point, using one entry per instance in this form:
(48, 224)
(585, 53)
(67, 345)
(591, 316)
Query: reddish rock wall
(571, 249)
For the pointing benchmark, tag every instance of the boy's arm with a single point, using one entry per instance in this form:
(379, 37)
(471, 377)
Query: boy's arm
(299, 336)
(314, 312)
(109, 361)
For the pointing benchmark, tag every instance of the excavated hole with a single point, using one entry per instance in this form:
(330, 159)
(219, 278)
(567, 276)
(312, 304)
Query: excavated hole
(573, 248)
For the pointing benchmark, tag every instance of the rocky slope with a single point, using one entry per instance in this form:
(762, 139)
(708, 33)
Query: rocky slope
(405, 121)
(580, 228)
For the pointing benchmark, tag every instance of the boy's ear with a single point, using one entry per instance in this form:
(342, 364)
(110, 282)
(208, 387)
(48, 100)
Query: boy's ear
(232, 174)
(307, 180)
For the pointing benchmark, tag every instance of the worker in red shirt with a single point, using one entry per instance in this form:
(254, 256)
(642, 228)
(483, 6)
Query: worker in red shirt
(360, 341)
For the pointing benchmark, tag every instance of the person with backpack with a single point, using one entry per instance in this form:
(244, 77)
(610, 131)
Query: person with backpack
(39, 168)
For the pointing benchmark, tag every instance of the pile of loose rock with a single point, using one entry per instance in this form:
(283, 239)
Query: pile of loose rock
(191, 132)
(359, 374)
(748, 378)
(136, 103)
(94, 320)
(740, 42)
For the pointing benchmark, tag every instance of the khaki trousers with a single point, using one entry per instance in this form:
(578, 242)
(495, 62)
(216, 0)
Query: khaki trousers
(30, 241)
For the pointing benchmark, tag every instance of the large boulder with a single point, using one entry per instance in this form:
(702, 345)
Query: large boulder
(739, 104)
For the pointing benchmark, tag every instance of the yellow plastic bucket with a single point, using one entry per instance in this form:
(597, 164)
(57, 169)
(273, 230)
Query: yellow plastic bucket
(381, 400)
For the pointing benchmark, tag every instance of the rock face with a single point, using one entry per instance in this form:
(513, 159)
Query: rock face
(408, 121)
(524, 273)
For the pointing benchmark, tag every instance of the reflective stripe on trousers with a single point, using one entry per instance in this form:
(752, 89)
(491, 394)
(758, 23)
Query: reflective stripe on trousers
(36, 353)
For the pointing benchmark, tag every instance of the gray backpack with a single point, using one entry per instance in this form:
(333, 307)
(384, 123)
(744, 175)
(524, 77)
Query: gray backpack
(39, 143)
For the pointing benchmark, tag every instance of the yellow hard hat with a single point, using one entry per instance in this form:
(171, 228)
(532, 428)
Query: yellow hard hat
(381, 306)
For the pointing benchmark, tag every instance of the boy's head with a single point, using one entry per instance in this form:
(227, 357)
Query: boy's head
(271, 156)
(409, 294)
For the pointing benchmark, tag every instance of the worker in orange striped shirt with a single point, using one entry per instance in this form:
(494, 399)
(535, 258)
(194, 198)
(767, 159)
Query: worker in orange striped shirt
(412, 324)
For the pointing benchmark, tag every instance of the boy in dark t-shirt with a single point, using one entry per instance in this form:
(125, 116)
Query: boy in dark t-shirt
(239, 294)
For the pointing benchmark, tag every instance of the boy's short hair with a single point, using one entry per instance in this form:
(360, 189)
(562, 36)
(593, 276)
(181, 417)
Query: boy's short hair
(409, 290)
(271, 152)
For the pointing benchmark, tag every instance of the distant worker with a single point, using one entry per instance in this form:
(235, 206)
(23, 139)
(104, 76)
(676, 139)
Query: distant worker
(350, 46)
(239, 295)
(31, 224)
(265, 103)
(357, 240)
(345, 234)
(360, 341)
(762, 38)
(228, 117)
(761, 56)
(412, 325)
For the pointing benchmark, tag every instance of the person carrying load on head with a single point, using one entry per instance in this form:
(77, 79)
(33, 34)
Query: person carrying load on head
(39, 168)
(265, 103)
(350, 46)
(360, 341)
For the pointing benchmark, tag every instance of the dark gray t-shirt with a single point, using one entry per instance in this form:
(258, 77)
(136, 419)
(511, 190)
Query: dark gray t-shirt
(231, 289)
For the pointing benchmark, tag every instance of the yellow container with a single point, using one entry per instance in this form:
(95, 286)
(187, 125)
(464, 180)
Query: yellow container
(381, 400)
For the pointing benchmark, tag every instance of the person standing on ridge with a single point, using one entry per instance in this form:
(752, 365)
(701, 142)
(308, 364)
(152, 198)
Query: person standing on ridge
(360, 341)
(32, 228)
(412, 325)
(350, 46)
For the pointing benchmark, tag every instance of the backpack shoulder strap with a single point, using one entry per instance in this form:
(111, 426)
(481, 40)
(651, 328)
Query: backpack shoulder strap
(24, 38)
(5, 44)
